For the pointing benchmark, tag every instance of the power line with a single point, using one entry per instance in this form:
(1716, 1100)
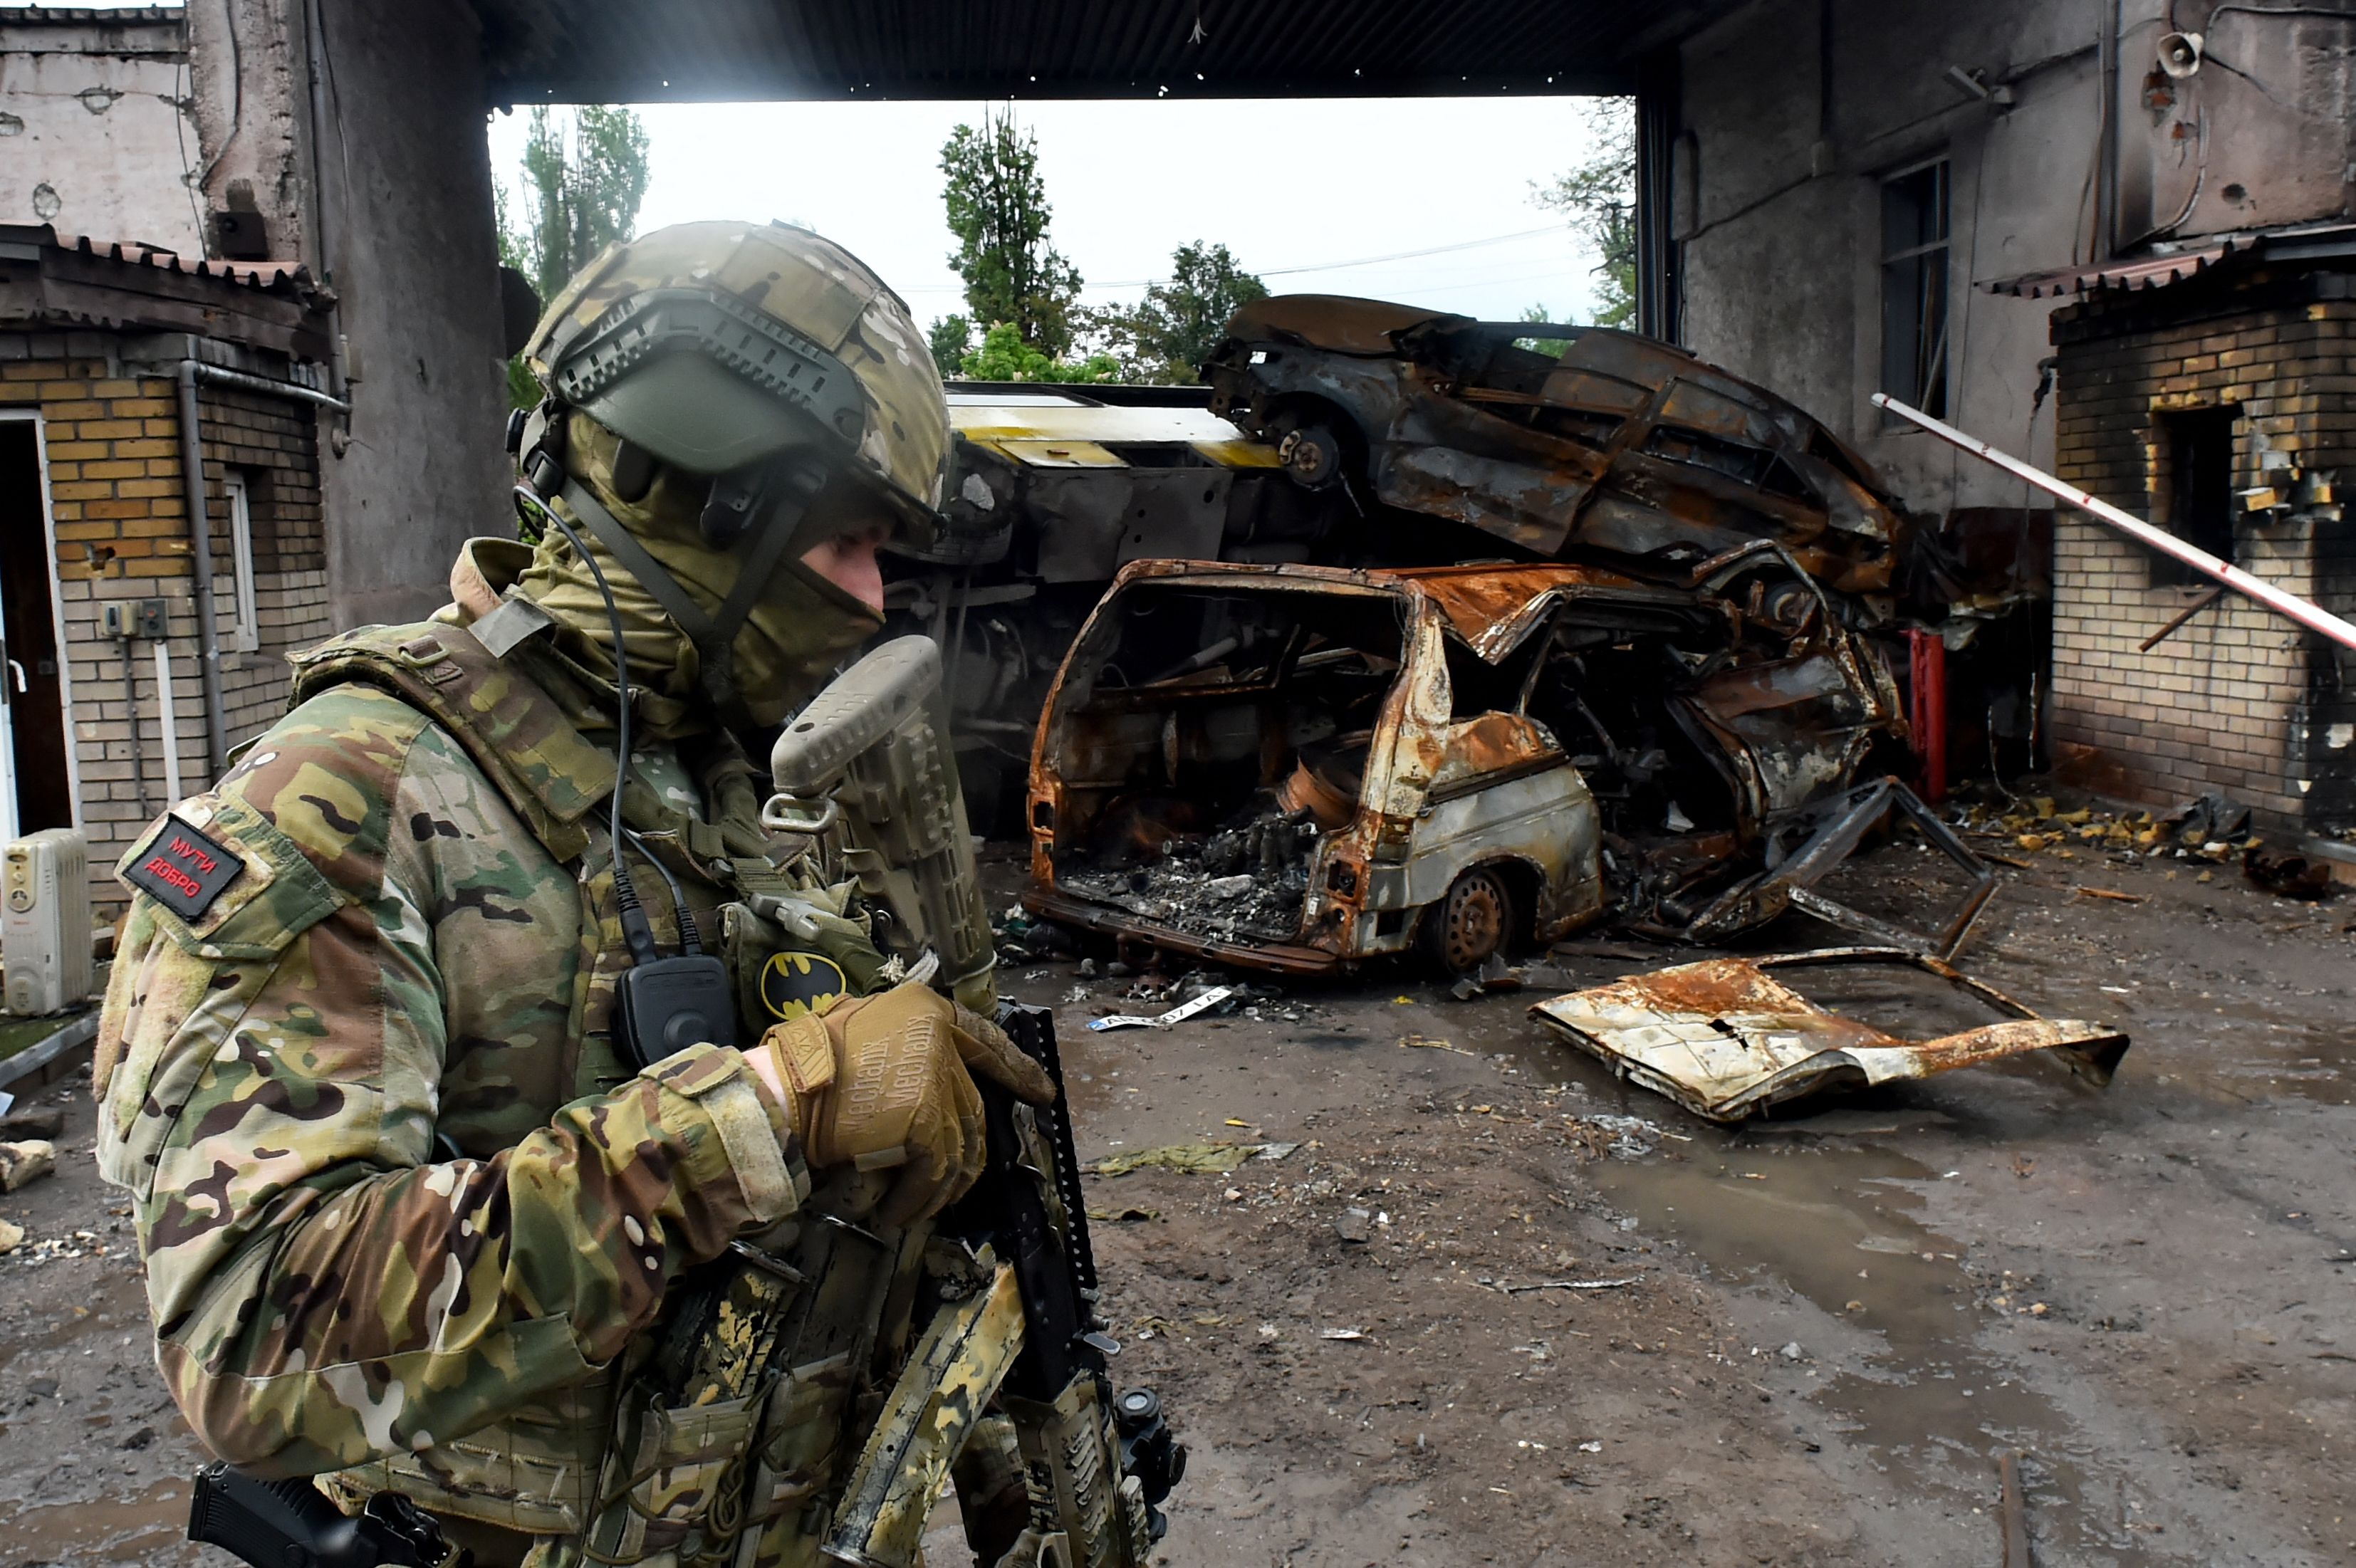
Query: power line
(1359, 260)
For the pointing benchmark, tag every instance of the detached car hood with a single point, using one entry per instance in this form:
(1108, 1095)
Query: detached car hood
(1725, 1038)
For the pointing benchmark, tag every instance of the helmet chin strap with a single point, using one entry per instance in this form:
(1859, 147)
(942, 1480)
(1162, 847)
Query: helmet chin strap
(761, 545)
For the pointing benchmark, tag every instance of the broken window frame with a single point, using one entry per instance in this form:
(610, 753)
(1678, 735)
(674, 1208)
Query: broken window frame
(1916, 353)
(2176, 433)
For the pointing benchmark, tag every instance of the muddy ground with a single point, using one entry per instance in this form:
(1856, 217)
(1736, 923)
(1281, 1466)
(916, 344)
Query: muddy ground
(1836, 1322)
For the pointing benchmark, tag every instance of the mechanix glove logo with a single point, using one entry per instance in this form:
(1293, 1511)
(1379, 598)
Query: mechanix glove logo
(184, 869)
(794, 985)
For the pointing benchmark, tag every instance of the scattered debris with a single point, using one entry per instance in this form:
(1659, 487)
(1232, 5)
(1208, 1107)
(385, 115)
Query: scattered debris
(44, 1122)
(1572, 1284)
(1177, 1014)
(1355, 1225)
(22, 1163)
(2115, 896)
(1342, 1334)
(1132, 1211)
(2016, 1511)
(2287, 872)
(1725, 1038)
(12, 1236)
(1192, 1159)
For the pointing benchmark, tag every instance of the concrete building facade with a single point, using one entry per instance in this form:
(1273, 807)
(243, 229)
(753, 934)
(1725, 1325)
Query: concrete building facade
(96, 131)
(344, 141)
(1865, 198)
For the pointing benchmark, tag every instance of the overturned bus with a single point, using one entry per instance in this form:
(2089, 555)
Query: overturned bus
(1297, 768)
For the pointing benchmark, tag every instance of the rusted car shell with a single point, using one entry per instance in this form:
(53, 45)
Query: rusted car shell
(1625, 444)
(1726, 1040)
(1442, 794)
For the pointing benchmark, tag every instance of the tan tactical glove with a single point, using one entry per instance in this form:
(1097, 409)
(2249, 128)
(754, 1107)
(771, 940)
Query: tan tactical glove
(881, 1083)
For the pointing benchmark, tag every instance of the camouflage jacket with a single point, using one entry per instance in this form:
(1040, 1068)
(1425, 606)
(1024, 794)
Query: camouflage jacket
(394, 1184)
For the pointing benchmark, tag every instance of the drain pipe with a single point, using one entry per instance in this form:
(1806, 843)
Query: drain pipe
(200, 531)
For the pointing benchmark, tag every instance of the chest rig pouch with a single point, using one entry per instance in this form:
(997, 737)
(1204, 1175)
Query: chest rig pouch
(709, 1441)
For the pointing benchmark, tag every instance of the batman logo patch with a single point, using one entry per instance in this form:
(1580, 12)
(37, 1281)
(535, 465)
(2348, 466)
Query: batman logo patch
(793, 984)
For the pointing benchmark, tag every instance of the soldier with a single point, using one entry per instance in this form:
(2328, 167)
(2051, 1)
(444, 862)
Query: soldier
(421, 1208)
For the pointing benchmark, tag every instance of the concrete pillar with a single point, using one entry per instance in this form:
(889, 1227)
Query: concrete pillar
(248, 88)
(395, 211)
(410, 229)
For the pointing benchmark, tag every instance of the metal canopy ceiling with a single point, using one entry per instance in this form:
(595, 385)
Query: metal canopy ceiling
(640, 51)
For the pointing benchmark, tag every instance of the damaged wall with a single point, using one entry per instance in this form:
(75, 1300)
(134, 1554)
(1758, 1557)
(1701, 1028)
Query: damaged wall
(1796, 111)
(84, 97)
(153, 126)
(2239, 699)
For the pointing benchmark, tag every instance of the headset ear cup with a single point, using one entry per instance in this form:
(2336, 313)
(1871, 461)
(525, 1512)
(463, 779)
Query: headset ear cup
(634, 471)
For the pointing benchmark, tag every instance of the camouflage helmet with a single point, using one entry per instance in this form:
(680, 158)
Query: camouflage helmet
(719, 347)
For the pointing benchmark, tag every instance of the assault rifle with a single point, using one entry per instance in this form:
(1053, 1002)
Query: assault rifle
(1017, 1325)
(1027, 1331)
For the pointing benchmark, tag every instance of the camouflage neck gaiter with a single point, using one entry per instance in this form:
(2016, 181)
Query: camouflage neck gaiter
(797, 635)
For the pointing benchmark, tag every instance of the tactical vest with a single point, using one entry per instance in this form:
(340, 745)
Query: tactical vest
(720, 1437)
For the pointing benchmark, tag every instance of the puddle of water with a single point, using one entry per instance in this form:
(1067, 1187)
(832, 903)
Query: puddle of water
(1835, 1224)
(114, 1531)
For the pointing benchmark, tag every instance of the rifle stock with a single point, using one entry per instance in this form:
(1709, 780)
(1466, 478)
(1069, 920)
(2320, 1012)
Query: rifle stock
(869, 760)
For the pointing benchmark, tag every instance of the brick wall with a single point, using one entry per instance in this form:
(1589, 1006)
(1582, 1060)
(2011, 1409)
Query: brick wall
(2225, 703)
(271, 444)
(110, 434)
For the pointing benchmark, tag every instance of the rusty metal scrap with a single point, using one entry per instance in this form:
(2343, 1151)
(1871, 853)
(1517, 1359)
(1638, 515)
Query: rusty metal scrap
(1833, 834)
(1612, 442)
(1727, 1038)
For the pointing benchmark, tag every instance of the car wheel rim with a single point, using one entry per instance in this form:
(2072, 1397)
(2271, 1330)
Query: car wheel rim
(1475, 923)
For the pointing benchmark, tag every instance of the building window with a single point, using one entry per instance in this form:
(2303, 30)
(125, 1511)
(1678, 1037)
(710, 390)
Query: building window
(246, 635)
(1915, 287)
(2196, 490)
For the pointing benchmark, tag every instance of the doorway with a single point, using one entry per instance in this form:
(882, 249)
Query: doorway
(34, 749)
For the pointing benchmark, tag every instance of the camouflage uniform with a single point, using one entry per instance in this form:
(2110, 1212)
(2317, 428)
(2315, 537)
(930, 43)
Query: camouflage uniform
(380, 1055)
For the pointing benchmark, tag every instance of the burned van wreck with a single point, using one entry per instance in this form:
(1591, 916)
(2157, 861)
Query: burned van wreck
(1297, 768)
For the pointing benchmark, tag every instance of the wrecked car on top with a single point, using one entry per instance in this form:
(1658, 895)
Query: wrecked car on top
(1296, 767)
(1560, 440)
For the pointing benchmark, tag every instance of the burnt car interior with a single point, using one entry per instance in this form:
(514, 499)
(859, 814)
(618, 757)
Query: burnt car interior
(1212, 742)
(1207, 739)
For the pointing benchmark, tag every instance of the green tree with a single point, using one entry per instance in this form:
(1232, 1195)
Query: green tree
(950, 336)
(998, 210)
(1599, 198)
(583, 181)
(1004, 357)
(1168, 336)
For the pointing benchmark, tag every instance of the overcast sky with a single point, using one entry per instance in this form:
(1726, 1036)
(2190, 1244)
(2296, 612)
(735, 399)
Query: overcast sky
(1291, 188)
